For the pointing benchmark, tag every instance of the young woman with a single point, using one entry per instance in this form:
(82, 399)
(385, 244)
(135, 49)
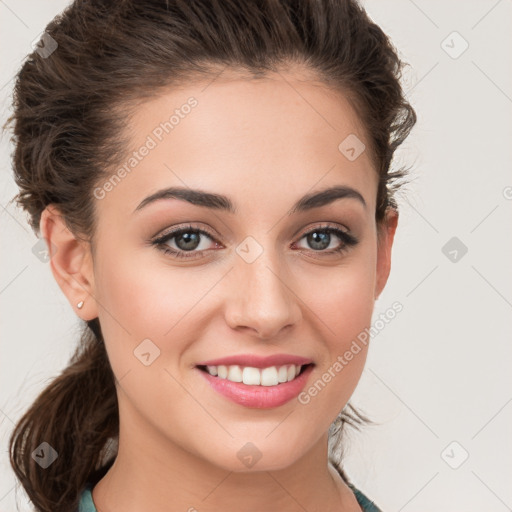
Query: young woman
(213, 181)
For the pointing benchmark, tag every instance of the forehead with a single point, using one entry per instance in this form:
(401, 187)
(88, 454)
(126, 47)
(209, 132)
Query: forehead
(279, 136)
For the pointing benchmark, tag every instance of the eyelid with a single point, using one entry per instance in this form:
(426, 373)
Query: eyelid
(323, 225)
(186, 226)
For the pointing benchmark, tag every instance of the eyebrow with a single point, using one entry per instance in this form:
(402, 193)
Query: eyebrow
(223, 203)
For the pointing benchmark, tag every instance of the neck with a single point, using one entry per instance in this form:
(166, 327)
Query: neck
(145, 476)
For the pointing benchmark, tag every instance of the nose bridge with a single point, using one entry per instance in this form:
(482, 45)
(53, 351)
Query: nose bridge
(263, 299)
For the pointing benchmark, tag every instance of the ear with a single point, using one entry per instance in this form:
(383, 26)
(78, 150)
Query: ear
(70, 261)
(386, 235)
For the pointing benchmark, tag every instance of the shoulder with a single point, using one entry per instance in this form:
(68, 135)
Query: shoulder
(86, 504)
(366, 504)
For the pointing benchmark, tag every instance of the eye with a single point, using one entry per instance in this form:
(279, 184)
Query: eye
(321, 237)
(187, 240)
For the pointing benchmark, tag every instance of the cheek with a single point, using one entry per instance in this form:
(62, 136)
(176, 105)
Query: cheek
(341, 305)
(131, 305)
(145, 298)
(342, 311)
(142, 300)
(143, 315)
(343, 298)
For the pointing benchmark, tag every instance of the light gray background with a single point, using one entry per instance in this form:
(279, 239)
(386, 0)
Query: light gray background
(440, 371)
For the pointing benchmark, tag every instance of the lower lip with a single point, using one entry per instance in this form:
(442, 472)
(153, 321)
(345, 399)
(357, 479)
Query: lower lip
(260, 397)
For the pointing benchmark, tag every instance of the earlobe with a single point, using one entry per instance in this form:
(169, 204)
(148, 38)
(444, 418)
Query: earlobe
(386, 236)
(71, 263)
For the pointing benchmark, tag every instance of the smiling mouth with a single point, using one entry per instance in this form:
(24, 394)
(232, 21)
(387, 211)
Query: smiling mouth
(269, 376)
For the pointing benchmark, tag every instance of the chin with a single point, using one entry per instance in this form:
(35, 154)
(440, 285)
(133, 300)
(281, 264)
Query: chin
(256, 456)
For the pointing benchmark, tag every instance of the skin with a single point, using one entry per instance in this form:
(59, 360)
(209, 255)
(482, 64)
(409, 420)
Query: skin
(264, 144)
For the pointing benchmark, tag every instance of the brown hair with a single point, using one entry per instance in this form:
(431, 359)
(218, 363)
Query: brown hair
(70, 107)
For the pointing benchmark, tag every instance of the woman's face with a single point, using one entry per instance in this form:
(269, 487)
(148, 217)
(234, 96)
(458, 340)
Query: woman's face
(258, 279)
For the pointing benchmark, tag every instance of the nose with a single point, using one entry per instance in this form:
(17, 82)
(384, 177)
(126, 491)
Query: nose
(262, 299)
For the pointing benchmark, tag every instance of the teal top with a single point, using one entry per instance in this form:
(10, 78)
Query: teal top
(87, 505)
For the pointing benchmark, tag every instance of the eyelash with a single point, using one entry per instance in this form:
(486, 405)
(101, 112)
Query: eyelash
(347, 239)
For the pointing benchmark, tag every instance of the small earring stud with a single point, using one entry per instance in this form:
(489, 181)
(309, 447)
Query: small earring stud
(80, 304)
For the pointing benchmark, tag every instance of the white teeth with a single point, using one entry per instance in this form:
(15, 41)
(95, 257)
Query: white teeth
(270, 376)
(212, 370)
(251, 376)
(234, 373)
(222, 371)
(282, 374)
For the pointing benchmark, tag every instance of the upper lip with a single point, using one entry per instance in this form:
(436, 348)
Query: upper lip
(255, 361)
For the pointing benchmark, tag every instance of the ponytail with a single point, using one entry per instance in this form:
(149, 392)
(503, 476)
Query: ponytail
(66, 438)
